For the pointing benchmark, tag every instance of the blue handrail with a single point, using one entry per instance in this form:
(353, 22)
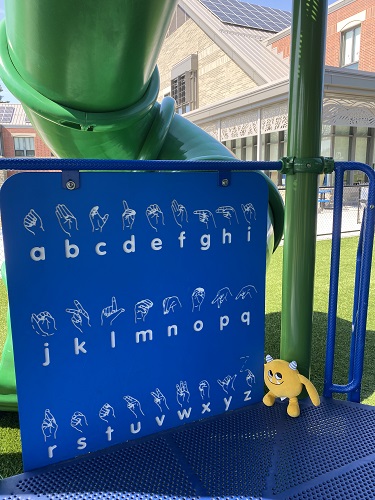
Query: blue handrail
(361, 287)
(152, 165)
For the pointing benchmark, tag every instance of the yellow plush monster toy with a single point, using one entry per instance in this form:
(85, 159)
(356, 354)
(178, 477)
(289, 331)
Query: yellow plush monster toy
(284, 381)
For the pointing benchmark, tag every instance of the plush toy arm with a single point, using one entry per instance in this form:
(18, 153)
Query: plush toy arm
(311, 391)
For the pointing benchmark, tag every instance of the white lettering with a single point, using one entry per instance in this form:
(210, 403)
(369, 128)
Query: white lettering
(248, 233)
(38, 253)
(79, 347)
(98, 248)
(81, 443)
(182, 237)
(198, 325)
(206, 408)
(184, 413)
(156, 244)
(224, 321)
(205, 241)
(46, 355)
(133, 430)
(71, 251)
(227, 235)
(109, 433)
(172, 328)
(227, 402)
(113, 339)
(247, 395)
(160, 420)
(129, 245)
(50, 450)
(245, 317)
(143, 334)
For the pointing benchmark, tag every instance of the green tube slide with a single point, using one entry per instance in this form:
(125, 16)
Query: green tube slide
(86, 75)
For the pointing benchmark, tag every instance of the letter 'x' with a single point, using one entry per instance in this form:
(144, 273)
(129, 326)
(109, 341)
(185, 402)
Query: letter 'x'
(206, 408)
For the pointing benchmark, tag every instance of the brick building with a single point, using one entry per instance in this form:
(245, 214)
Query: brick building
(18, 138)
(227, 65)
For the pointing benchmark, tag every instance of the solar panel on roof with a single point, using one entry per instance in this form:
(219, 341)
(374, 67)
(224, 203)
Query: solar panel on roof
(6, 114)
(249, 15)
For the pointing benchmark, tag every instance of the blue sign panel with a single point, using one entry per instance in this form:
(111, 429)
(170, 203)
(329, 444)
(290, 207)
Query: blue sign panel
(137, 303)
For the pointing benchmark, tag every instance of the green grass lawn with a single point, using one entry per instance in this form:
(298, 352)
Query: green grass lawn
(10, 449)
(344, 316)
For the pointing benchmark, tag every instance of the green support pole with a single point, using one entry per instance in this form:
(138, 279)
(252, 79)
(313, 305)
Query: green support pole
(304, 136)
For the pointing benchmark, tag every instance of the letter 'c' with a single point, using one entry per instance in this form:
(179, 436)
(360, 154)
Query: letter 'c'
(98, 248)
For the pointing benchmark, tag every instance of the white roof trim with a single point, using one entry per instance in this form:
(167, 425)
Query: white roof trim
(338, 82)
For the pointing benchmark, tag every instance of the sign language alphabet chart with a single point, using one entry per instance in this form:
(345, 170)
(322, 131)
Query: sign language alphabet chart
(137, 303)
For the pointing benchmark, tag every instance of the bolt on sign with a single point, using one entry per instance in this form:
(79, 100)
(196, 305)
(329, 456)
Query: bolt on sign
(137, 303)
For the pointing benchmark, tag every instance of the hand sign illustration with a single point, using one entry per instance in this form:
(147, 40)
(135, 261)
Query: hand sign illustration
(221, 295)
(228, 212)
(197, 298)
(78, 420)
(49, 425)
(154, 216)
(159, 399)
(206, 217)
(248, 210)
(111, 312)
(227, 383)
(204, 389)
(133, 405)
(246, 290)
(106, 411)
(128, 216)
(43, 323)
(32, 222)
(77, 314)
(67, 221)
(179, 213)
(183, 394)
(97, 221)
(169, 303)
(142, 308)
(250, 377)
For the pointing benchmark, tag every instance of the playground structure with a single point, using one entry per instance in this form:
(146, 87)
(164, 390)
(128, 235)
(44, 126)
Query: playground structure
(78, 120)
(159, 134)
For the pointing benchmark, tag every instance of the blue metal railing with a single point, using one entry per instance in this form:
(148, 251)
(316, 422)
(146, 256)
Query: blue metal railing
(361, 286)
(152, 165)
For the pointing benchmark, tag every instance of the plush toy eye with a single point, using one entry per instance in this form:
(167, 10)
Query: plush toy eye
(278, 376)
(270, 374)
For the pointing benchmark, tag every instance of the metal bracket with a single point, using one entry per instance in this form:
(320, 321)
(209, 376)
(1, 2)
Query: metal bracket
(224, 178)
(70, 179)
(318, 165)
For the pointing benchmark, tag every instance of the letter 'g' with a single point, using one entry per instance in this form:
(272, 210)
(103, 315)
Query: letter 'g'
(205, 241)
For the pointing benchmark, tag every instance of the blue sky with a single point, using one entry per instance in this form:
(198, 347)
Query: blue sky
(277, 4)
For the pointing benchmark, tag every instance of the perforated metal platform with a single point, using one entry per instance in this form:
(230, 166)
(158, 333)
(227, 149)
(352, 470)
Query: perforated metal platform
(258, 452)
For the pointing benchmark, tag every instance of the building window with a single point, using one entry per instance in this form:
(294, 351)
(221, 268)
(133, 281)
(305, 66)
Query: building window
(251, 144)
(24, 146)
(183, 91)
(184, 84)
(350, 46)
